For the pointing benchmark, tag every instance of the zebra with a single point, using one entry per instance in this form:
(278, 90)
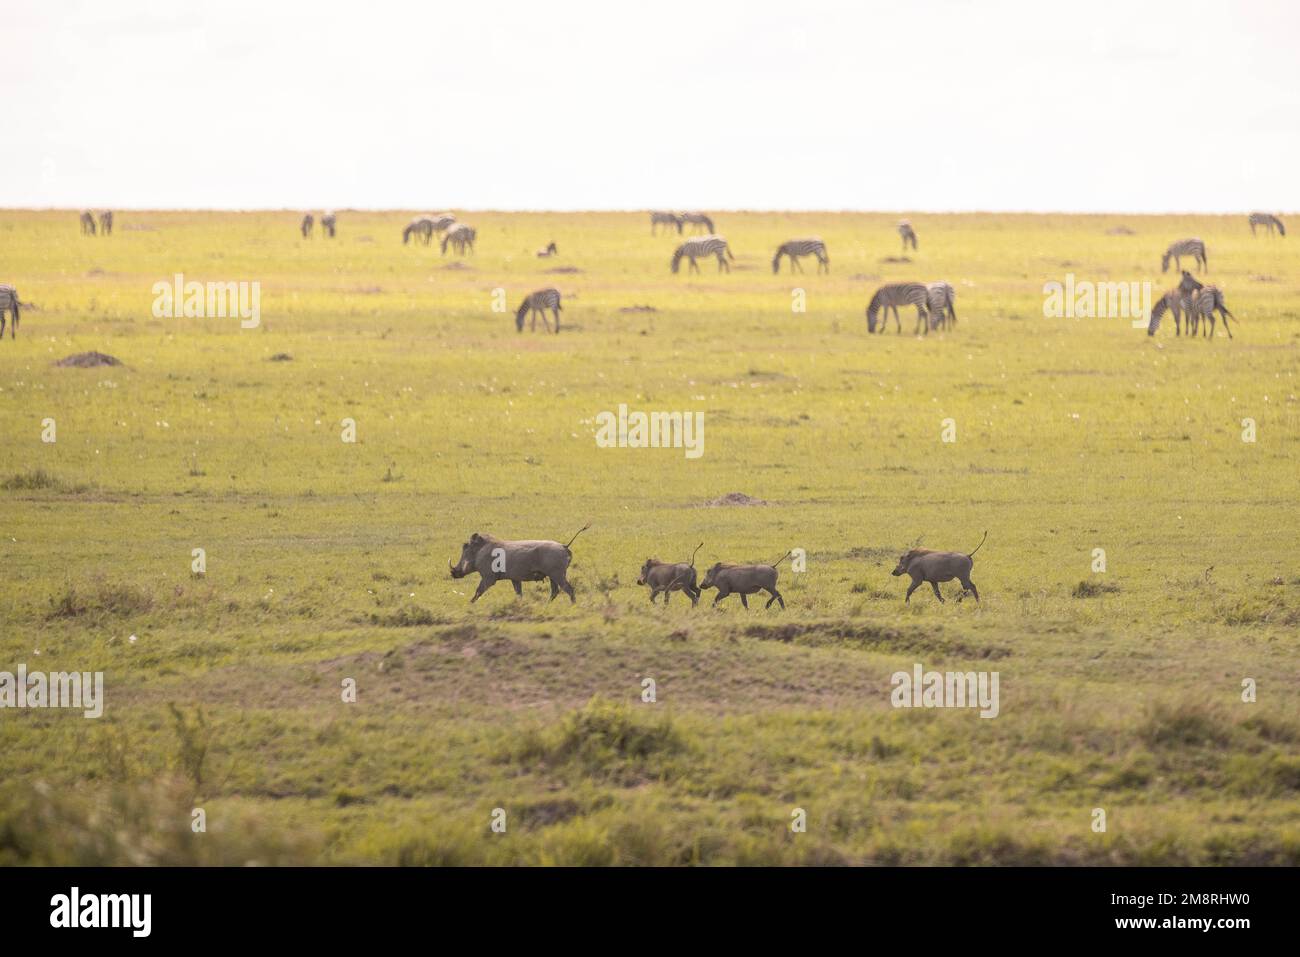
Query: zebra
(421, 226)
(698, 220)
(908, 234)
(8, 303)
(307, 222)
(106, 222)
(87, 223)
(460, 237)
(703, 246)
(660, 218)
(802, 247)
(1178, 301)
(941, 300)
(443, 221)
(894, 295)
(550, 250)
(536, 304)
(1204, 303)
(327, 221)
(1185, 247)
(1267, 220)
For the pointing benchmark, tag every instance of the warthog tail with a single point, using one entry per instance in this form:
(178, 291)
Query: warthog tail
(977, 547)
(697, 548)
(781, 559)
(576, 534)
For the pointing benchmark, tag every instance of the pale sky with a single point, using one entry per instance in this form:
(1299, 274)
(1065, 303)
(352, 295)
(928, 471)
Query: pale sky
(928, 105)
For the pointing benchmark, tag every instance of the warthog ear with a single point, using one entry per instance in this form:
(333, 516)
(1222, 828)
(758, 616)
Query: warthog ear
(474, 539)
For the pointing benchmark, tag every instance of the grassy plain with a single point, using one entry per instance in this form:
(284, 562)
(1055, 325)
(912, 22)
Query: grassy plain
(327, 560)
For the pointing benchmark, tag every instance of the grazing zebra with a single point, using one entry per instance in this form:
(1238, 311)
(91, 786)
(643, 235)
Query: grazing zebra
(1185, 247)
(1178, 301)
(537, 304)
(698, 220)
(8, 303)
(87, 223)
(307, 222)
(548, 252)
(106, 222)
(327, 221)
(421, 227)
(703, 246)
(460, 237)
(1267, 220)
(906, 231)
(660, 218)
(802, 247)
(894, 295)
(1204, 303)
(941, 300)
(443, 221)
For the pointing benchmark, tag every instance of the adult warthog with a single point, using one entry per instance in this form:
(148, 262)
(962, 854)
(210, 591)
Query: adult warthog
(530, 561)
(669, 577)
(744, 580)
(927, 565)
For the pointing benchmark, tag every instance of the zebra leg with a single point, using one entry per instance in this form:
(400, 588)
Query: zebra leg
(898, 324)
(556, 310)
(695, 267)
(794, 263)
(1226, 314)
(722, 263)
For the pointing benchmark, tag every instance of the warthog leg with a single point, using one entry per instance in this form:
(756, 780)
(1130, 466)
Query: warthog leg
(969, 586)
(916, 583)
(555, 590)
(519, 588)
(483, 585)
(938, 594)
(744, 600)
(776, 596)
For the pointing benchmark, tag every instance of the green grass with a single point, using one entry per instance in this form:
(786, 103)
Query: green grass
(326, 561)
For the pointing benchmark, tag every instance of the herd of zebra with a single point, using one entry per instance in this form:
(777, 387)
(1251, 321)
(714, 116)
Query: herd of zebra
(327, 224)
(88, 222)
(935, 302)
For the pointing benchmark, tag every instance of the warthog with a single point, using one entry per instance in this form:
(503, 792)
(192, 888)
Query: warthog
(531, 561)
(744, 580)
(927, 565)
(668, 577)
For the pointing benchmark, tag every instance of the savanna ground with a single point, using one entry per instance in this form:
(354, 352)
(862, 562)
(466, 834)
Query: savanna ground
(327, 560)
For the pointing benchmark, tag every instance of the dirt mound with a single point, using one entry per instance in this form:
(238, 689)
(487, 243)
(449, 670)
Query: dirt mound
(896, 259)
(638, 309)
(1120, 231)
(281, 357)
(88, 360)
(457, 266)
(734, 498)
(565, 270)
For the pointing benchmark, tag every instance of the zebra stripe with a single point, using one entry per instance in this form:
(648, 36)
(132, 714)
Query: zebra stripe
(692, 249)
(1178, 301)
(307, 222)
(894, 295)
(9, 303)
(1185, 247)
(1267, 220)
(460, 237)
(1204, 303)
(660, 218)
(87, 223)
(327, 221)
(802, 247)
(941, 300)
(421, 226)
(698, 219)
(537, 303)
(908, 234)
(106, 222)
